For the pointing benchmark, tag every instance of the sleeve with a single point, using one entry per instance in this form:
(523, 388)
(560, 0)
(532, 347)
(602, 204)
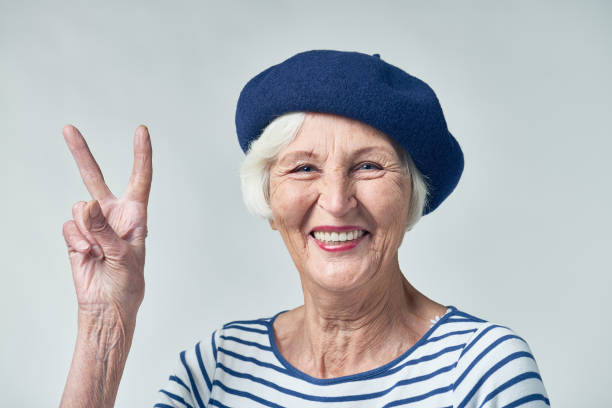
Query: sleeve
(497, 369)
(190, 384)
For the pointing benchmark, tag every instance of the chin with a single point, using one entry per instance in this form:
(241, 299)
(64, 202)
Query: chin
(339, 277)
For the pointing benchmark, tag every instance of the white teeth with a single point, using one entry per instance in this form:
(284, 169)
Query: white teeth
(335, 237)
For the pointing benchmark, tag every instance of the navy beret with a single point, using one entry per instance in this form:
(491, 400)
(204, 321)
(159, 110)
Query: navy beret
(361, 87)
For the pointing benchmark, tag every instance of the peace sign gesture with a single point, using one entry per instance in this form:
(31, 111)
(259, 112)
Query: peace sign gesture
(106, 237)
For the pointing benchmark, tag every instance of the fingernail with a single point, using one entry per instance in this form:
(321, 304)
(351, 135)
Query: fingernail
(94, 210)
(97, 251)
(82, 246)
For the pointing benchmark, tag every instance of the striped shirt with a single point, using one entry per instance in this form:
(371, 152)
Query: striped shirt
(462, 361)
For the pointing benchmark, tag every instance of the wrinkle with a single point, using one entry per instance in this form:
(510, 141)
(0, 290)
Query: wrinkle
(359, 310)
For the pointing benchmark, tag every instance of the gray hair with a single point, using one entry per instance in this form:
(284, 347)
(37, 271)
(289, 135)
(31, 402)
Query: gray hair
(255, 170)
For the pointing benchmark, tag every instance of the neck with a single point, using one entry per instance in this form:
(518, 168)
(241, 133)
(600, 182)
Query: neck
(340, 333)
(375, 305)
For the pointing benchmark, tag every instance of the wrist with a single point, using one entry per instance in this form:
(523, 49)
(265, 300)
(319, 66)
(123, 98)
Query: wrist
(107, 328)
(106, 315)
(103, 342)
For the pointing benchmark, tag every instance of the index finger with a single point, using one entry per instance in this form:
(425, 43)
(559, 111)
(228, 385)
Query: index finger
(142, 172)
(89, 169)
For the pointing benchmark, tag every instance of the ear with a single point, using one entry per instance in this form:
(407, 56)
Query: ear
(272, 224)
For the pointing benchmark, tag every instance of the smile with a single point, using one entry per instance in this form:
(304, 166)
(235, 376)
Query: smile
(337, 237)
(334, 239)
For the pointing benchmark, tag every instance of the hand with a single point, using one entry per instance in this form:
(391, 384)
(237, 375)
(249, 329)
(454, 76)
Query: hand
(106, 237)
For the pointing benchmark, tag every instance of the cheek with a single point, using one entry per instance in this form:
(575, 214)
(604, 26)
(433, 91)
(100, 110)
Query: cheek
(388, 202)
(290, 202)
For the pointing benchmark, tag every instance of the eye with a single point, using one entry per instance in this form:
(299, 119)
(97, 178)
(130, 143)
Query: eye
(369, 166)
(305, 168)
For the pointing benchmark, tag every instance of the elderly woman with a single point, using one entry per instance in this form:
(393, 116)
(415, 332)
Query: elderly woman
(345, 153)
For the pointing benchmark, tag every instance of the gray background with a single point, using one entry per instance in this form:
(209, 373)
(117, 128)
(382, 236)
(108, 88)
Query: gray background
(524, 241)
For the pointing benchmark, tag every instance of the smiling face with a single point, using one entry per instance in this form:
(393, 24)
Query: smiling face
(340, 196)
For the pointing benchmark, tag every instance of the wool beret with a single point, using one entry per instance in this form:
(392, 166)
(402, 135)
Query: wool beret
(361, 87)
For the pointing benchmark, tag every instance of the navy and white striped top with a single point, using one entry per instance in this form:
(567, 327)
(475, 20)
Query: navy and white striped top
(462, 361)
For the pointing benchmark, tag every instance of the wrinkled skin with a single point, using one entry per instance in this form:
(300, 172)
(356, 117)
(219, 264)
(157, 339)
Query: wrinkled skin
(106, 237)
(339, 171)
(359, 310)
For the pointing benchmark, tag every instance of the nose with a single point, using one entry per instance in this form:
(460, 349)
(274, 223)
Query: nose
(337, 195)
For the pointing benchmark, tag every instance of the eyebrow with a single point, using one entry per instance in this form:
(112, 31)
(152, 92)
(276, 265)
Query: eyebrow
(376, 149)
(297, 155)
(309, 154)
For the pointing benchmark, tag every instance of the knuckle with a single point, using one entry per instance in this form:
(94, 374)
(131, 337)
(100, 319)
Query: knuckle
(67, 227)
(77, 211)
(77, 205)
(99, 226)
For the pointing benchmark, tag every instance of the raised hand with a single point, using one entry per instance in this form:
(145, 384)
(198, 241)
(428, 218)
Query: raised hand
(106, 237)
(106, 245)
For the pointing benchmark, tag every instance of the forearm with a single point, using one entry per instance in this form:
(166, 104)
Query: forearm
(102, 346)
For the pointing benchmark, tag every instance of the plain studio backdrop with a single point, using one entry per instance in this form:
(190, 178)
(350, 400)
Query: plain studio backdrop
(524, 241)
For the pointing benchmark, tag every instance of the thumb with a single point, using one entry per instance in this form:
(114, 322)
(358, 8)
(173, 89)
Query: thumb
(98, 226)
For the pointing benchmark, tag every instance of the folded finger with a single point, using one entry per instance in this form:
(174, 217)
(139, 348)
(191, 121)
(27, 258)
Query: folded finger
(79, 214)
(75, 241)
(142, 171)
(79, 218)
(89, 169)
(95, 222)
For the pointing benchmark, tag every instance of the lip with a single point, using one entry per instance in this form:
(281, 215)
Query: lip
(338, 247)
(332, 228)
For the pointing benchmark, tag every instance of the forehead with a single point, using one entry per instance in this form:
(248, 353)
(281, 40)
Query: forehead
(327, 133)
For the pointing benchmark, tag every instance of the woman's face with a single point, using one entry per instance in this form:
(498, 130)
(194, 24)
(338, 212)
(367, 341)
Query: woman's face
(340, 196)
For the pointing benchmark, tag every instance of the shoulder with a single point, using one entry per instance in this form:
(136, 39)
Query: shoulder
(260, 324)
(496, 367)
(193, 377)
(190, 381)
(245, 332)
